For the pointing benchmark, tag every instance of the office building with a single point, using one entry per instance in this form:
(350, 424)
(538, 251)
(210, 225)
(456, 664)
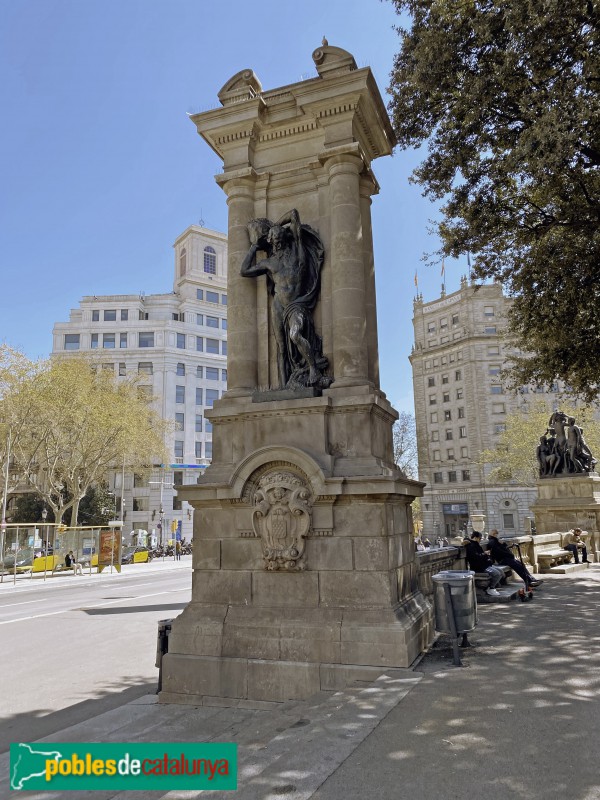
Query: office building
(177, 343)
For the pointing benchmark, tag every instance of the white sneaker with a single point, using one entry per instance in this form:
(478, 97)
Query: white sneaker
(493, 592)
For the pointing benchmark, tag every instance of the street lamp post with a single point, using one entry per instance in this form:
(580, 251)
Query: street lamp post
(162, 483)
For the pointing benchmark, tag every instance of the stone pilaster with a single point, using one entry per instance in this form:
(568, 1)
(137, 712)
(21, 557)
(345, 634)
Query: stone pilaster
(350, 359)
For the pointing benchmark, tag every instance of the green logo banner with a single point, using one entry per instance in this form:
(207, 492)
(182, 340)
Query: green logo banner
(52, 766)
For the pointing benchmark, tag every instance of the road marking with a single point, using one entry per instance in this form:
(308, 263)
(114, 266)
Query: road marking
(86, 608)
(24, 603)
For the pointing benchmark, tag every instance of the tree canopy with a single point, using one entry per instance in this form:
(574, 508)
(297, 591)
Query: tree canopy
(506, 97)
(69, 423)
(404, 435)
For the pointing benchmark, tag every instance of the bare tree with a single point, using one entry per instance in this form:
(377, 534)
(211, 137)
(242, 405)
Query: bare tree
(405, 444)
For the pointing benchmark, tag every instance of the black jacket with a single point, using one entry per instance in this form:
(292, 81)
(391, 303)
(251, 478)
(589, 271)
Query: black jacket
(499, 551)
(476, 558)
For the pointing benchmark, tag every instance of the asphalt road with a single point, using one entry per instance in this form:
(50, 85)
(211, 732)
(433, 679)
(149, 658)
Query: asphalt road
(74, 647)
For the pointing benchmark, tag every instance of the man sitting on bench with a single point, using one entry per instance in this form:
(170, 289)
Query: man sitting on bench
(502, 554)
(478, 561)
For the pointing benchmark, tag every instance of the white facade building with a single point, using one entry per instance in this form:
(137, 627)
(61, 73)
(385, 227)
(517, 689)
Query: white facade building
(177, 342)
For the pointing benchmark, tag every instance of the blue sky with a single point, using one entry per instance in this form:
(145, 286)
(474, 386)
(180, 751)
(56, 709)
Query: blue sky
(101, 169)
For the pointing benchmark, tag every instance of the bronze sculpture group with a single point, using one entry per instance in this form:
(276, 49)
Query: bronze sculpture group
(562, 449)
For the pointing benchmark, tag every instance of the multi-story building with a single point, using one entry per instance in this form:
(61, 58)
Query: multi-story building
(177, 343)
(460, 409)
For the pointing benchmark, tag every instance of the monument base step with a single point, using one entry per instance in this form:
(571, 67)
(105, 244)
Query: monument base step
(506, 594)
(564, 569)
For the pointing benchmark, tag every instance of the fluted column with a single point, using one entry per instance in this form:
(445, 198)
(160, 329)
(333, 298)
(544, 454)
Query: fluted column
(242, 328)
(350, 358)
(367, 188)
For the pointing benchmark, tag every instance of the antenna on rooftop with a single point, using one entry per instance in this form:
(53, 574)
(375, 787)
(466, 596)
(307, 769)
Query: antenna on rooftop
(201, 220)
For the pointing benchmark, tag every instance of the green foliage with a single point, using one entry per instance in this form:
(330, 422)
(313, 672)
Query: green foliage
(514, 459)
(28, 508)
(506, 95)
(97, 506)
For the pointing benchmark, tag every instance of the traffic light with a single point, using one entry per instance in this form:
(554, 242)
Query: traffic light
(62, 528)
(174, 526)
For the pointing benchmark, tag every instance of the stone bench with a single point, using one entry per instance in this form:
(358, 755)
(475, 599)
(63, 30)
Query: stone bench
(482, 579)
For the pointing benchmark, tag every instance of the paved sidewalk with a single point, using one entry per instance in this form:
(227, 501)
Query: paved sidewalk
(520, 720)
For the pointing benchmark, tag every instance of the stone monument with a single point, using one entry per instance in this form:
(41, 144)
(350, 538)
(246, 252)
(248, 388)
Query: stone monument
(568, 487)
(304, 560)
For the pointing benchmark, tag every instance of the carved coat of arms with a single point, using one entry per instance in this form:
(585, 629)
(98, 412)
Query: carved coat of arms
(282, 519)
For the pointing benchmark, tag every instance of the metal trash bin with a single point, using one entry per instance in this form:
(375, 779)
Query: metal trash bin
(162, 646)
(463, 601)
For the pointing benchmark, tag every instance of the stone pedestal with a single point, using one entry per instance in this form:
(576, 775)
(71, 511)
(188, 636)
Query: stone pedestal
(304, 559)
(569, 501)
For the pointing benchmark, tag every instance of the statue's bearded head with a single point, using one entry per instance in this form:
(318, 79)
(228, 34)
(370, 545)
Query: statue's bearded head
(277, 236)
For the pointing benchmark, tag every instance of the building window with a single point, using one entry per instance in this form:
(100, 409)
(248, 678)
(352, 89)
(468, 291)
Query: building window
(444, 340)
(433, 417)
(223, 348)
(431, 327)
(488, 311)
(498, 408)
(143, 315)
(435, 436)
(198, 425)
(180, 394)
(71, 341)
(108, 367)
(146, 338)
(145, 367)
(499, 427)
(140, 504)
(224, 375)
(95, 316)
(455, 319)
(198, 449)
(430, 382)
(443, 323)
(493, 351)
(94, 341)
(450, 454)
(224, 324)
(124, 314)
(199, 319)
(445, 378)
(212, 322)
(464, 452)
(198, 397)
(178, 316)
(496, 389)
(446, 397)
(437, 456)
(178, 478)
(210, 260)
(199, 344)
(208, 426)
(494, 369)
(108, 341)
(447, 415)
(179, 421)
(199, 372)
(180, 369)
(451, 358)
(211, 396)
(490, 329)
(223, 299)
(462, 432)
(178, 449)
(181, 341)
(432, 399)
(212, 346)
(207, 449)
(428, 365)
(110, 315)
(212, 374)
(212, 297)
(461, 413)
(452, 477)
(449, 435)
(458, 375)
(509, 521)
(122, 340)
(122, 369)
(466, 474)
(459, 394)
(438, 477)
(200, 295)
(183, 261)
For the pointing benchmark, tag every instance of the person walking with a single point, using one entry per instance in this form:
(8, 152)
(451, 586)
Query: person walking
(178, 550)
(502, 554)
